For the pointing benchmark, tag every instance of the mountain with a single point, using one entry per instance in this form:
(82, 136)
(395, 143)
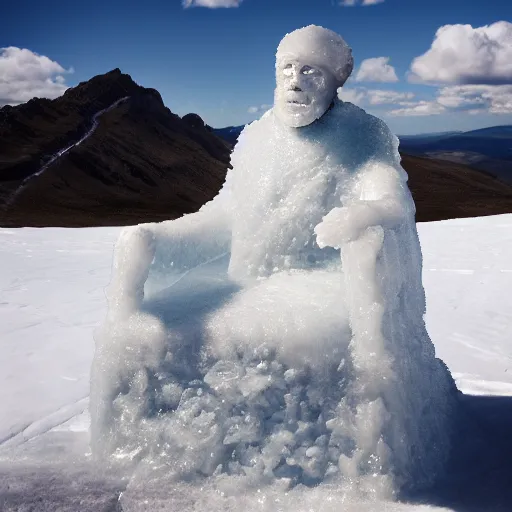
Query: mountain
(107, 152)
(231, 133)
(446, 190)
(492, 142)
(431, 134)
(424, 138)
(487, 149)
(503, 131)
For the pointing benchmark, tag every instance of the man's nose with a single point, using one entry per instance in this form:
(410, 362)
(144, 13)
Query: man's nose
(295, 83)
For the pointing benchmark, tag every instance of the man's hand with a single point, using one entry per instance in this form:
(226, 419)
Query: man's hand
(341, 225)
(348, 223)
(133, 255)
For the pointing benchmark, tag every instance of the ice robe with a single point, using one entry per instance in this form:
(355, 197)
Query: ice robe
(351, 318)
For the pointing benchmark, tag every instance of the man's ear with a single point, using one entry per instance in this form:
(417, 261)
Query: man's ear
(346, 71)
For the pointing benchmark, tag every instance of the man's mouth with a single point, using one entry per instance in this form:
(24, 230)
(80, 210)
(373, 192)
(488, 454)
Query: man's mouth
(297, 103)
(296, 98)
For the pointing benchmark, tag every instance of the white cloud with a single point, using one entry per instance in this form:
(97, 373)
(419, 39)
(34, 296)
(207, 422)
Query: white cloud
(420, 108)
(403, 101)
(25, 75)
(468, 99)
(376, 70)
(259, 109)
(362, 96)
(211, 4)
(460, 97)
(461, 54)
(494, 99)
(378, 97)
(356, 96)
(474, 112)
(350, 3)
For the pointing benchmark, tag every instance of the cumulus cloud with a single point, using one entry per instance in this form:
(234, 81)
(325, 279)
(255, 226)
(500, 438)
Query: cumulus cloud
(461, 54)
(378, 97)
(469, 99)
(404, 102)
(350, 3)
(356, 96)
(461, 97)
(259, 109)
(420, 108)
(376, 70)
(211, 4)
(477, 98)
(25, 75)
(366, 97)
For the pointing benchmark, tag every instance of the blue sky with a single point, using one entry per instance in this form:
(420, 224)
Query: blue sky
(219, 62)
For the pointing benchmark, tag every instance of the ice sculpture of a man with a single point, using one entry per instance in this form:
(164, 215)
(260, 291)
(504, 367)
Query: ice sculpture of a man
(291, 344)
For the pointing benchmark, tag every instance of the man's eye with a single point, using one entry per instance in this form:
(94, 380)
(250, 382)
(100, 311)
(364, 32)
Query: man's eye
(288, 71)
(306, 70)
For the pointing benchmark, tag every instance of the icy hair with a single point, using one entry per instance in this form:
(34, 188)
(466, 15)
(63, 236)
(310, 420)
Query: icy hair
(319, 47)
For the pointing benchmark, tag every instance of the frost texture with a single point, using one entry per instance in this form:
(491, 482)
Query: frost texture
(280, 340)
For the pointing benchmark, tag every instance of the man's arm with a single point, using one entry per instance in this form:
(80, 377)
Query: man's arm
(380, 197)
(149, 251)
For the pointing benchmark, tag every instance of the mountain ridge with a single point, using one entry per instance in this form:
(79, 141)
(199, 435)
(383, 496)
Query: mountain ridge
(486, 149)
(139, 158)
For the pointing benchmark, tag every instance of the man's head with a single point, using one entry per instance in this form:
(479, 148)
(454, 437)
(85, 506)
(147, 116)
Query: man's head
(311, 63)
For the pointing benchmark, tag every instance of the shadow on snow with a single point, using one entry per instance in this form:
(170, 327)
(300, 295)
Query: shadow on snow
(479, 474)
(52, 473)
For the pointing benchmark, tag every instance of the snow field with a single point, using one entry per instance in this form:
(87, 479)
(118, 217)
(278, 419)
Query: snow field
(466, 274)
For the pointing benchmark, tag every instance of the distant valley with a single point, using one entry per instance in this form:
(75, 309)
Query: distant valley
(487, 149)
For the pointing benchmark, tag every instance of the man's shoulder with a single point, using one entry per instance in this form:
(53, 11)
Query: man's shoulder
(256, 125)
(359, 115)
(370, 125)
(368, 133)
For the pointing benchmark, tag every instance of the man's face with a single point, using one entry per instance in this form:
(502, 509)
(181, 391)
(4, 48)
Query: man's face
(303, 93)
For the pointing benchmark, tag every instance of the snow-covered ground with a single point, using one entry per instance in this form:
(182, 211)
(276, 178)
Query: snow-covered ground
(467, 274)
(52, 297)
